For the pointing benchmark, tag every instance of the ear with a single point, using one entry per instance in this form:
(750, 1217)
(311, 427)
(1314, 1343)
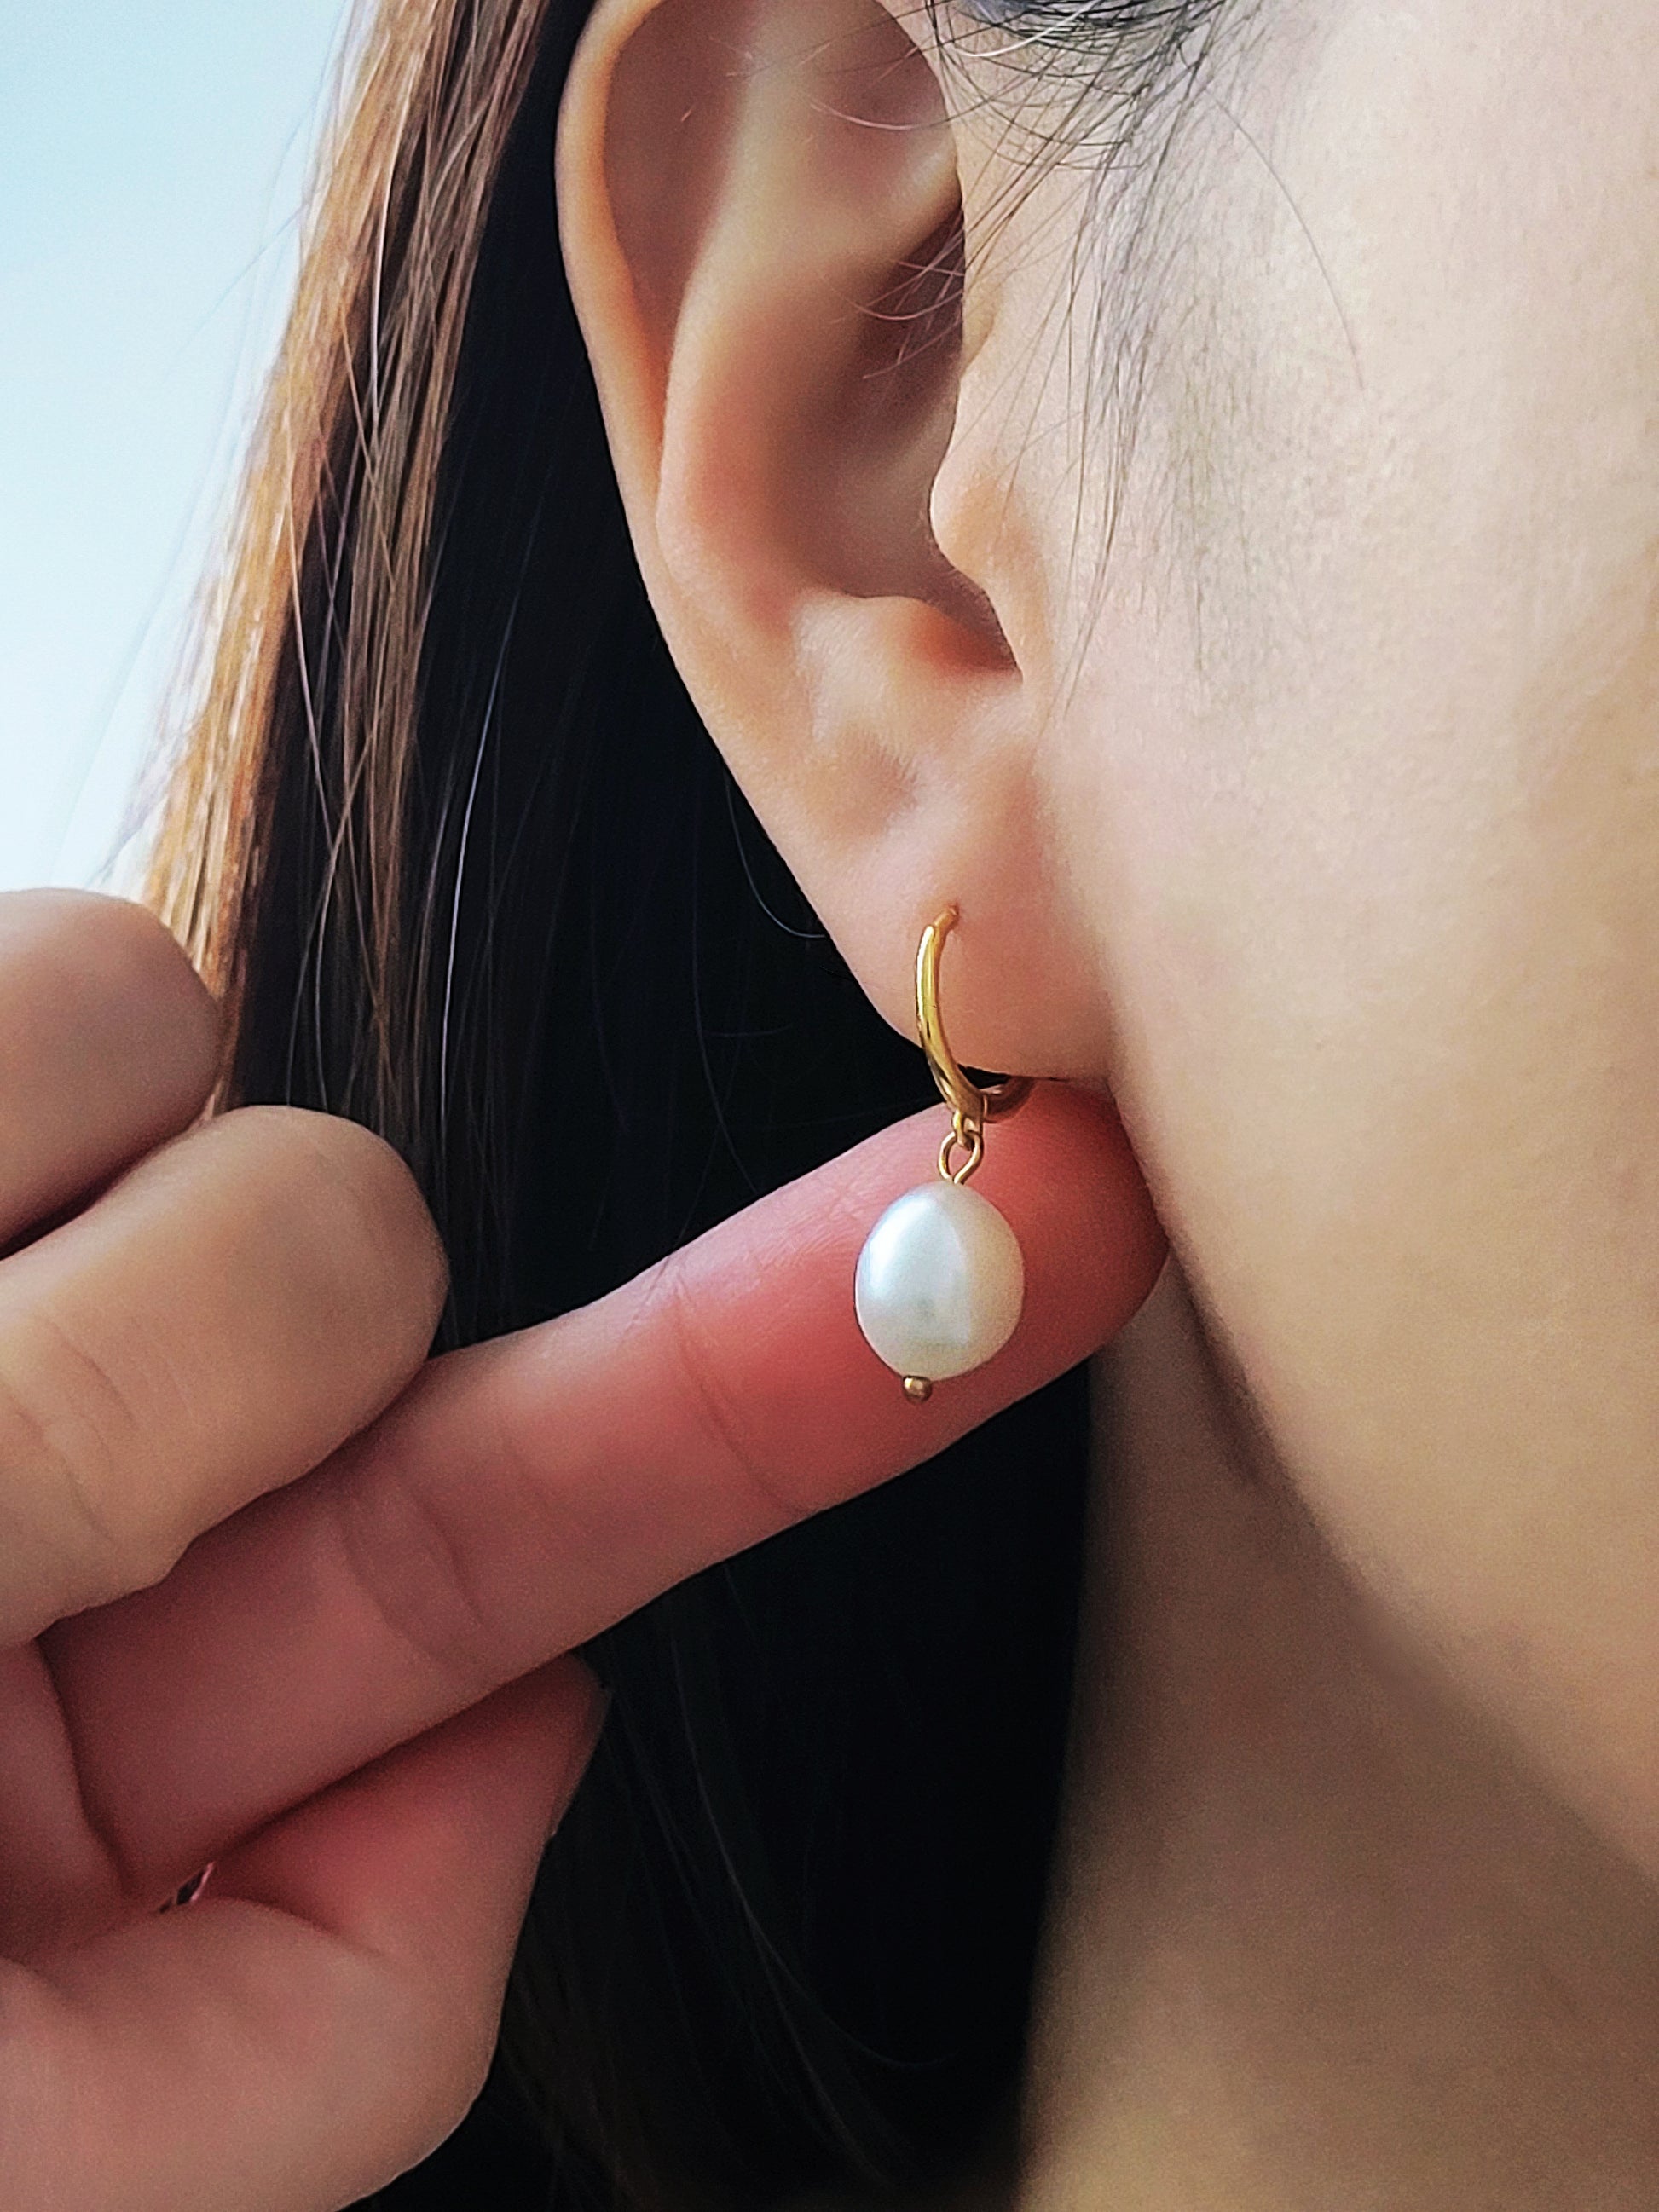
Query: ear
(762, 221)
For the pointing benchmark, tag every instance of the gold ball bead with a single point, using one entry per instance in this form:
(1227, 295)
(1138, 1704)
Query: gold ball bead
(917, 1389)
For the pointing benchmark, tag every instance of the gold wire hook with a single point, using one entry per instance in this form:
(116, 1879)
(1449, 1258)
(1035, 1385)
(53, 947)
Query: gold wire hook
(972, 1106)
(971, 1139)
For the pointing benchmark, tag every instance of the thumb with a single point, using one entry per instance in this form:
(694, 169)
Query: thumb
(324, 2015)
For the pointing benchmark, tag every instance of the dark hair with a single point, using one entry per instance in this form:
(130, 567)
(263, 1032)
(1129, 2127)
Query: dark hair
(451, 839)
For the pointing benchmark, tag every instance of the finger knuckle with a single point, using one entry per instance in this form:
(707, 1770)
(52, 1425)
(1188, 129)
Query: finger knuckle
(70, 1455)
(411, 1566)
(349, 1201)
(711, 1402)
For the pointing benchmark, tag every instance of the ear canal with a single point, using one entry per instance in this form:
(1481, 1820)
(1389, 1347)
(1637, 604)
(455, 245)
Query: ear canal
(901, 395)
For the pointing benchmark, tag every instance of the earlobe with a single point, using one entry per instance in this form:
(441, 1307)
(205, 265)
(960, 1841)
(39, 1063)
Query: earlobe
(762, 221)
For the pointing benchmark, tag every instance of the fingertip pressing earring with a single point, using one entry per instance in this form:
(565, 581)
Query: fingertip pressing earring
(941, 1278)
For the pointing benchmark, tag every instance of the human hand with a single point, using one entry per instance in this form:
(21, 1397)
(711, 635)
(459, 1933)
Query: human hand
(346, 1692)
(223, 1314)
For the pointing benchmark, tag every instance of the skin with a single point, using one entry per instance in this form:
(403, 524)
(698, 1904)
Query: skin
(1310, 811)
(280, 1593)
(1310, 819)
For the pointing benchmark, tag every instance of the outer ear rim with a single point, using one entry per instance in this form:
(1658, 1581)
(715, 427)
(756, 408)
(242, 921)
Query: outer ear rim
(596, 267)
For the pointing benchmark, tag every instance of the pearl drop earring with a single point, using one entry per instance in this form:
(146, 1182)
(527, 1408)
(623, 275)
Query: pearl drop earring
(941, 1279)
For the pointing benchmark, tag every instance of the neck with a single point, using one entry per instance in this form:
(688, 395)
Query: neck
(1316, 1937)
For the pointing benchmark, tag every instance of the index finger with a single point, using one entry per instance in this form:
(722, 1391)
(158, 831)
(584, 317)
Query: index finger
(525, 1494)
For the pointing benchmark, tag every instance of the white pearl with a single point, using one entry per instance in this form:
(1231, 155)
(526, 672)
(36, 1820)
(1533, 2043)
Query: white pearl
(940, 1282)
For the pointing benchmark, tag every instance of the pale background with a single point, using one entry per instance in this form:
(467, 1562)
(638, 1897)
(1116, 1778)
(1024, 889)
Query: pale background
(153, 156)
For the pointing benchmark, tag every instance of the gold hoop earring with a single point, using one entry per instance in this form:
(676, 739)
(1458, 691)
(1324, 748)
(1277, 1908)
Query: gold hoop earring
(941, 1278)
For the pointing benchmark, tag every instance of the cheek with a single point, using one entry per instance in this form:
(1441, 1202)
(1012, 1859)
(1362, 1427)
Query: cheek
(1368, 823)
(1388, 1044)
